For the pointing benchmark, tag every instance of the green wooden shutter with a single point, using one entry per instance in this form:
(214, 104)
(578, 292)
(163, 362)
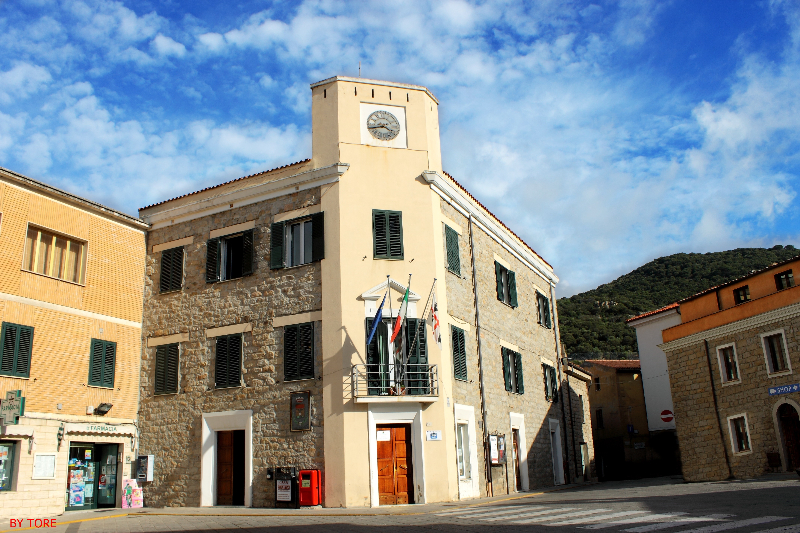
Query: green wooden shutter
(417, 356)
(459, 353)
(374, 356)
(9, 342)
(290, 353)
(212, 260)
(96, 363)
(161, 370)
(498, 272)
(317, 236)
(380, 238)
(506, 368)
(171, 270)
(276, 255)
(17, 345)
(518, 369)
(109, 361)
(512, 289)
(395, 234)
(453, 257)
(221, 363)
(171, 379)
(547, 320)
(166, 271)
(248, 253)
(305, 351)
(235, 360)
(24, 349)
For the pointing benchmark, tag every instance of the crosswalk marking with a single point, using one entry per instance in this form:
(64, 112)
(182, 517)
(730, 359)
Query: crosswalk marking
(596, 518)
(679, 522)
(785, 529)
(736, 524)
(476, 511)
(507, 511)
(546, 518)
(663, 517)
(530, 513)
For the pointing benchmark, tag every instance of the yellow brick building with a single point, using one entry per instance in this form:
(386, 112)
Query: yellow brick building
(71, 281)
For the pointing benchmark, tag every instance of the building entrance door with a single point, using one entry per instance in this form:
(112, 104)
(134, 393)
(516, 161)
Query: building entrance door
(790, 428)
(515, 457)
(81, 477)
(395, 479)
(230, 467)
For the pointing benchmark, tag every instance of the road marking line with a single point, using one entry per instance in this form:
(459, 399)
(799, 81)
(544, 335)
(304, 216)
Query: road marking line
(530, 513)
(736, 524)
(638, 519)
(679, 522)
(785, 529)
(490, 510)
(559, 517)
(481, 516)
(597, 518)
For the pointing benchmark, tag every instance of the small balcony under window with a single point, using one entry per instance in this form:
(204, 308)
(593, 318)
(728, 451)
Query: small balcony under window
(395, 383)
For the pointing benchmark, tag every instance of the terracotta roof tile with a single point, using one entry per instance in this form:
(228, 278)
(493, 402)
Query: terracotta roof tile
(616, 363)
(667, 308)
(225, 183)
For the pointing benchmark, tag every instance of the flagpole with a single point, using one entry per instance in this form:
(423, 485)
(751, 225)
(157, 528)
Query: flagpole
(422, 318)
(389, 290)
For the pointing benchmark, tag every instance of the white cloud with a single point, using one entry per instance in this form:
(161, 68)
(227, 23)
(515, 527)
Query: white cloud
(165, 46)
(21, 81)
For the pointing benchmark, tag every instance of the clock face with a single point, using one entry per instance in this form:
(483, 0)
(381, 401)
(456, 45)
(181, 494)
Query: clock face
(383, 125)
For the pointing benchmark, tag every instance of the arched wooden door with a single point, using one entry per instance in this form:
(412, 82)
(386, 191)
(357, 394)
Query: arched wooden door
(790, 429)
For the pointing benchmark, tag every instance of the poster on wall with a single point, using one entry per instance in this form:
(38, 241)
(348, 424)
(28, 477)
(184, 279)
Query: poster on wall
(131, 494)
(301, 411)
(284, 490)
(497, 449)
(76, 495)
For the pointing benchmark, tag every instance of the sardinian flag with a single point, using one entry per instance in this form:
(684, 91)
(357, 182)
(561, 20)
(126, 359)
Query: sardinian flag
(433, 317)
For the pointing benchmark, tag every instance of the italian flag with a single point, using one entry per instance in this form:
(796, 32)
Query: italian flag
(401, 314)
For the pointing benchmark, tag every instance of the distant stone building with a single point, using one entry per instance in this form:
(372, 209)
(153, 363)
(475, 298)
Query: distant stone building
(268, 286)
(733, 364)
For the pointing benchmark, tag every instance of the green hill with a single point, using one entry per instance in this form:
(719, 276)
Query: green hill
(592, 323)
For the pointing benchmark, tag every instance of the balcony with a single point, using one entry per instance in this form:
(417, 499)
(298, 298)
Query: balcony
(381, 383)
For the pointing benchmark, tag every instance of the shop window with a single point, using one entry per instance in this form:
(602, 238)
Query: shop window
(171, 270)
(512, 370)
(740, 434)
(462, 451)
(298, 352)
(101, 363)
(17, 344)
(55, 255)
(550, 383)
(544, 310)
(453, 255)
(297, 242)
(775, 353)
(506, 284)
(7, 458)
(229, 257)
(741, 295)
(728, 363)
(387, 234)
(228, 361)
(166, 377)
(784, 280)
(459, 353)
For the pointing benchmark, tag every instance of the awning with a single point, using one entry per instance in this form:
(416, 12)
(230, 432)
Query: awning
(123, 430)
(16, 431)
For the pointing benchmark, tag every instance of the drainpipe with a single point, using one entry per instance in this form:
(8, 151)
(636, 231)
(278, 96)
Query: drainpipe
(716, 410)
(558, 356)
(486, 455)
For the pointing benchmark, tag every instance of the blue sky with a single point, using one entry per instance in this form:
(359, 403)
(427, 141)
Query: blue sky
(606, 134)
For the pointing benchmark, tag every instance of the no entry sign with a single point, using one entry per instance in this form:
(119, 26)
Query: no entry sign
(666, 415)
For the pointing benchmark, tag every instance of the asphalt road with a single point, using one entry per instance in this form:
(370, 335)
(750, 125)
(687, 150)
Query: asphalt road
(664, 505)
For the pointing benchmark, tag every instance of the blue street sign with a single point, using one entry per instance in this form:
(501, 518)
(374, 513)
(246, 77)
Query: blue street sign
(784, 389)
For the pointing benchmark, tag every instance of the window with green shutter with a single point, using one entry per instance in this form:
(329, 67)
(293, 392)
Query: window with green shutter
(387, 233)
(417, 357)
(459, 353)
(512, 371)
(17, 342)
(297, 242)
(544, 310)
(550, 383)
(166, 378)
(228, 362)
(101, 363)
(453, 257)
(298, 352)
(230, 257)
(506, 285)
(171, 270)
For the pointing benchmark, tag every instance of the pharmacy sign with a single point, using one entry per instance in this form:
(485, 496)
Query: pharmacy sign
(12, 407)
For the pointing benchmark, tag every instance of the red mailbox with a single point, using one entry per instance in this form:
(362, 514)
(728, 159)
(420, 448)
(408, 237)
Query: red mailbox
(309, 487)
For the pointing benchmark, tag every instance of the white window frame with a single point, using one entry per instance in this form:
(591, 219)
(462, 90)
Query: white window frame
(788, 370)
(462, 437)
(731, 433)
(288, 240)
(722, 374)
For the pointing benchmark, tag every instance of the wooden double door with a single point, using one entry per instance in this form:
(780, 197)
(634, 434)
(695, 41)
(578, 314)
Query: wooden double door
(790, 427)
(230, 467)
(395, 469)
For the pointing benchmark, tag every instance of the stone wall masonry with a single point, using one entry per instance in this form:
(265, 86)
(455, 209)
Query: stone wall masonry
(171, 424)
(518, 326)
(697, 426)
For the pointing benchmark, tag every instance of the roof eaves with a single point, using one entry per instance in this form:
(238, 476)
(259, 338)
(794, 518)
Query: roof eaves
(376, 82)
(655, 312)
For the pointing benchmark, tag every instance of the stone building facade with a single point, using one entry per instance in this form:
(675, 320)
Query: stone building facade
(370, 218)
(733, 365)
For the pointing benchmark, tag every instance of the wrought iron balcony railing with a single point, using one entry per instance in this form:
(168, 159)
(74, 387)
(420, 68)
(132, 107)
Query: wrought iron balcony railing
(394, 380)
